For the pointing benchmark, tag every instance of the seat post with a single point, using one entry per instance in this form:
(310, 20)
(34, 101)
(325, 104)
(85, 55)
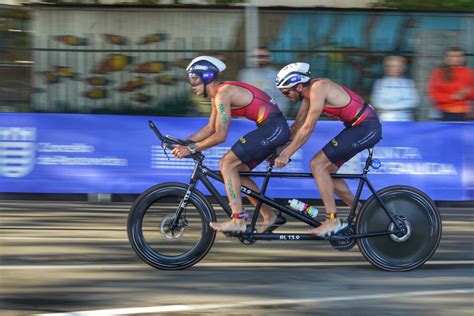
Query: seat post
(266, 179)
(368, 162)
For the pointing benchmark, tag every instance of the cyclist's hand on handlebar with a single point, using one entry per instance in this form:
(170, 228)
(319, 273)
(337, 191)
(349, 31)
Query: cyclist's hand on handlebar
(180, 151)
(169, 146)
(277, 152)
(281, 161)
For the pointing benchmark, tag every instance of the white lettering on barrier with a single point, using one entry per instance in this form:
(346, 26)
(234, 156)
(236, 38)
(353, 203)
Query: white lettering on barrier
(72, 148)
(397, 153)
(18, 149)
(422, 168)
(82, 161)
(213, 155)
(357, 163)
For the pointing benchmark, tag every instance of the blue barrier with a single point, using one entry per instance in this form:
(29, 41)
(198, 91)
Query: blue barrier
(74, 153)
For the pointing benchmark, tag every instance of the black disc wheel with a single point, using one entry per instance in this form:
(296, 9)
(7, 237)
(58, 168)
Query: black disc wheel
(405, 250)
(164, 241)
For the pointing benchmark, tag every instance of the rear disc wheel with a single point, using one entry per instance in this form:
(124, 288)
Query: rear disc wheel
(405, 250)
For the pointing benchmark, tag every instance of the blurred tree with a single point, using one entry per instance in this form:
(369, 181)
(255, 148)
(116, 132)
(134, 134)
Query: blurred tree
(427, 4)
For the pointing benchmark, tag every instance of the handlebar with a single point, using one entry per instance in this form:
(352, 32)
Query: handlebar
(171, 140)
(167, 139)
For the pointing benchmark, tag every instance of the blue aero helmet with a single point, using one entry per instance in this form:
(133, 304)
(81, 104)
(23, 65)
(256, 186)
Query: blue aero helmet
(206, 67)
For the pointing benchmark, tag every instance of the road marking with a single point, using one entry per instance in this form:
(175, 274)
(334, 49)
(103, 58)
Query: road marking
(226, 240)
(196, 307)
(107, 266)
(64, 238)
(61, 228)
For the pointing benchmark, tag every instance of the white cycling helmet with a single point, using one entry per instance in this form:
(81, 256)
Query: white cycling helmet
(206, 67)
(292, 74)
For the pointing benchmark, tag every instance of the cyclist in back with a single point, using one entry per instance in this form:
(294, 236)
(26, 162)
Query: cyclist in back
(242, 100)
(362, 130)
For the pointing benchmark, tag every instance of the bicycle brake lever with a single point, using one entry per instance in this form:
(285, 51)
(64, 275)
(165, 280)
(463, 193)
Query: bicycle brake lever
(169, 146)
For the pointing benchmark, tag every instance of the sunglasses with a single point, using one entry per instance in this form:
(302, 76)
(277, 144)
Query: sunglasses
(286, 92)
(194, 80)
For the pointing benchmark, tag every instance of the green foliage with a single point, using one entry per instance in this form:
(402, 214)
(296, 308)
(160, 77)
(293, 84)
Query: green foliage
(450, 5)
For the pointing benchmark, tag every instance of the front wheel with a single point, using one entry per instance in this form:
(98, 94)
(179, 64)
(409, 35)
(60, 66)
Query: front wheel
(163, 241)
(402, 251)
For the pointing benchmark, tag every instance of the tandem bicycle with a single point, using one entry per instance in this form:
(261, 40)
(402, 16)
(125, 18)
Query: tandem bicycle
(398, 227)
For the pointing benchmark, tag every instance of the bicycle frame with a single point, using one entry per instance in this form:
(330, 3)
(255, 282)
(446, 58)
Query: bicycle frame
(201, 173)
(392, 214)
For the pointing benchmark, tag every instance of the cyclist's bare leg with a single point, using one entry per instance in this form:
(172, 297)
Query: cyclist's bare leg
(322, 167)
(268, 214)
(229, 171)
(342, 191)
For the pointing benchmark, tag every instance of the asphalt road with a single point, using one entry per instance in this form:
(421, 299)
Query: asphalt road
(59, 257)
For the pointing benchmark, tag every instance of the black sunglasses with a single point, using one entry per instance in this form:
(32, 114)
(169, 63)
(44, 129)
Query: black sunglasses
(287, 92)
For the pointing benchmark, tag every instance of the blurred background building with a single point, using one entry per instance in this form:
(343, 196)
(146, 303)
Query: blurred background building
(128, 57)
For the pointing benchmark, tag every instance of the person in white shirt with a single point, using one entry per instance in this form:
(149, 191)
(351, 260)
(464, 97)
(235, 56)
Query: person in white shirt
(394, 96)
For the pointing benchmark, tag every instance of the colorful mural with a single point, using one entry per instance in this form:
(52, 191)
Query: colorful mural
(111, 60)
(120, 62)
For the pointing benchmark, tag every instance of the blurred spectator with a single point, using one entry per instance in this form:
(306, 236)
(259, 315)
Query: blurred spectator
(263, 77)
(394, 96)
(451, 86)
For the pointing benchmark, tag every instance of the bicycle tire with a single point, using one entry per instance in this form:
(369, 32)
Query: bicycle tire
(146, 249)
(399, 253)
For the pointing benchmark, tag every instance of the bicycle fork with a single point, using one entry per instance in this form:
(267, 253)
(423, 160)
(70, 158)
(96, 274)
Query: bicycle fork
(184, 201)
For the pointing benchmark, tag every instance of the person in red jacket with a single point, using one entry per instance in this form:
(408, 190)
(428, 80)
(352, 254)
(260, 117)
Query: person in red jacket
(451, 86)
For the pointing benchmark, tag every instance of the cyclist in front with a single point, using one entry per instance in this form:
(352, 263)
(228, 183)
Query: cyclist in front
(239, 100)
(362, 130)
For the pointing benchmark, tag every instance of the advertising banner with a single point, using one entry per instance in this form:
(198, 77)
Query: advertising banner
(82, 153)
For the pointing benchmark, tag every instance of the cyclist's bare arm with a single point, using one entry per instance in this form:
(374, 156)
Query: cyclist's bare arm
(222, 121)
(207, 130)
(300, 118)
(317, 97)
